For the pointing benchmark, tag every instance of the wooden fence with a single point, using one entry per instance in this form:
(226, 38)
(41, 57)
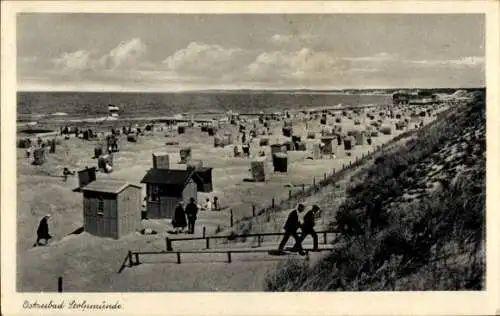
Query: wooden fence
(169, 241)
(133, 257)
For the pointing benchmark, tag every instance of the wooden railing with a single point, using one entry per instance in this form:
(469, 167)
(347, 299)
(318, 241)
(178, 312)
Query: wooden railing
(169, 241)
(133, 257)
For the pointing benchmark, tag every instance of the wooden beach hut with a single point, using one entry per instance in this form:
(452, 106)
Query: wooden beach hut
(97, 151)
(316, 151)
(339, 139)
(211, 130)
(39, 156)
(287, 131)
(278, 148)
(258, 169)
(132, 138)
(264, 141)
(203, 178)
(360, 137)
(112, 142)
(185, 154)
(86, 176)
(236, 151)
(52, 145)
(111, 208)
(300, 146)
(280, 162)
(246, 149)
(218, 141)
(161, 161)
(327, 147)
(386, 130)
(348, 143)
(165, 188)
(24, 143)
(228, 139)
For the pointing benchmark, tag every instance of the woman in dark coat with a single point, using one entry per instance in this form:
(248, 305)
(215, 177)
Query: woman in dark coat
(43, 231)
(179, 222)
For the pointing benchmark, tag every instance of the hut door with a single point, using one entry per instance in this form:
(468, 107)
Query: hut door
(167, 207)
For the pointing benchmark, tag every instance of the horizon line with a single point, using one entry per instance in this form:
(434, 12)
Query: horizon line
(251, 89)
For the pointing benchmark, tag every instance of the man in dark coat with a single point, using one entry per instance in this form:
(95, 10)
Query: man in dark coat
(291, 226)
(308, 226)
(43, 231)
(191, 213)
(179, 221)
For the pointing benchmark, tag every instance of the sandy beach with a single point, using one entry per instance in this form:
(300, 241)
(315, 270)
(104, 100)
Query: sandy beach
(41, 190)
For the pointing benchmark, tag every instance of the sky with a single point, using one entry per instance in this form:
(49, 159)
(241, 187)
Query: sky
(173, 52)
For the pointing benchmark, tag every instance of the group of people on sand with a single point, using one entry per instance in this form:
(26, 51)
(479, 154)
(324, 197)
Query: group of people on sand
(187, 216)
(293, 224)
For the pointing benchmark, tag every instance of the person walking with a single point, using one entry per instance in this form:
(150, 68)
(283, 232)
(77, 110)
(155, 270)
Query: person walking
(216, 206)
(179, 221)
(291, 226)
(43, 231)
(308, 226)
(191, 213)
(144, 206)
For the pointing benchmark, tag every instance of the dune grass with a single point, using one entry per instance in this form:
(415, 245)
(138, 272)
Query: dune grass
(400, 232)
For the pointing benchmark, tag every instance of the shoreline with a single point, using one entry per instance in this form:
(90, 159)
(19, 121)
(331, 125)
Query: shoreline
(198, 117)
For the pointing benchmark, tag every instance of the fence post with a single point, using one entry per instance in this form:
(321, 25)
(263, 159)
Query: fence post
(60, 284)
(207, 239)
(129, 258)
(289, 194)
(314, 182)
(324, 176)
(258, 241)
(204, 231)
(178, 257)
(253, 210)
(272, 203)
(324, 238)
(229, 256)
(137, 259)
(231, 218)
(169, 244)
(303, 188)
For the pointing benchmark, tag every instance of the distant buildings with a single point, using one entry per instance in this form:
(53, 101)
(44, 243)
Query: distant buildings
(414, 97)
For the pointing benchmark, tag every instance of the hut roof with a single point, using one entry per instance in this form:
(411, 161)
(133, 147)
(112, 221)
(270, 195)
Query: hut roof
(170, 176)
(108, 186)
(202, 169)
